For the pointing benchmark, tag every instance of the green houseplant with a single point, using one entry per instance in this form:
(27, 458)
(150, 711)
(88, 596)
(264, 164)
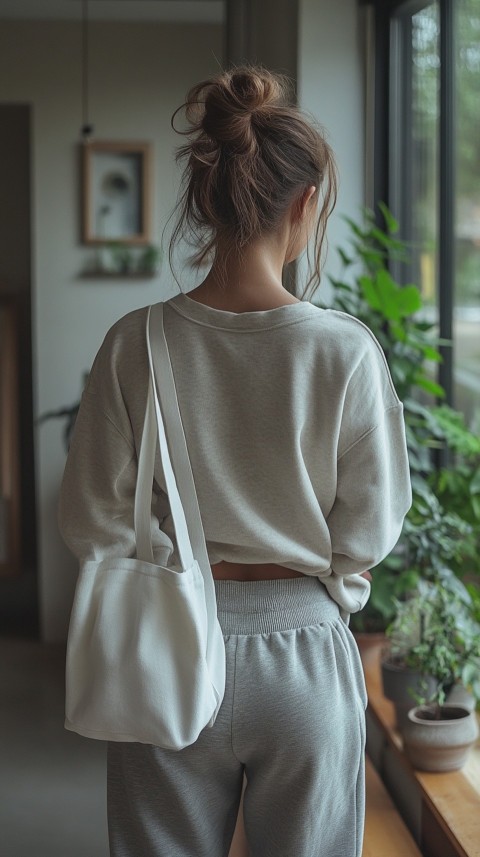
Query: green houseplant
(435, 565)
(458, 490)
(437, 532)
(446, 641)
(436, 636)
(433, 648)
(432, 542)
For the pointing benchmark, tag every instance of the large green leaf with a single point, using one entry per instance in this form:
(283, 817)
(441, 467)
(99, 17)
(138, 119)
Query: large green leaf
(370, 292)
(345, 259)
(409, 300)
(431, 353)
(476, 506)
(386, 240)
(339, 284)
(387, 294)
(475, 482)
(430, 386)
(392, 224)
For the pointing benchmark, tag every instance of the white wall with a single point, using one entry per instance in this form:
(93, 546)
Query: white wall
(331, 86)
(139, 75)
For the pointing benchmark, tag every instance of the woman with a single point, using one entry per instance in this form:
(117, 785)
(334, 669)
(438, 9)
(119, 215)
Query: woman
(297, 446)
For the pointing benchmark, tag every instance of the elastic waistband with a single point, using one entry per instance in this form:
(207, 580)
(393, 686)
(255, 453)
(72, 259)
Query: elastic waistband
(265, 606)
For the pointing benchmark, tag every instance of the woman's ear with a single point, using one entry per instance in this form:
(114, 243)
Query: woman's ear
(308, 198)
(301, 207)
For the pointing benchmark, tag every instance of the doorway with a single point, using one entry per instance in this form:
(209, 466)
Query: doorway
(18, 541)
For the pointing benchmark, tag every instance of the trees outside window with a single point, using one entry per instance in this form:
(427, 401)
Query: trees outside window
(466, 305)
(434, 174)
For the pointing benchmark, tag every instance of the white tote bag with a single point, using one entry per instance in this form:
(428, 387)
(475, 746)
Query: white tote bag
(145, 652)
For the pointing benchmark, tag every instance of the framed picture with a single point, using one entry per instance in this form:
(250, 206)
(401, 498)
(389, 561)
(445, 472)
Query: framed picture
(116, 192)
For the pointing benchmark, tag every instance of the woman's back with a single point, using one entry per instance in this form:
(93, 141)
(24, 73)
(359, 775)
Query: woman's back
(294, 432)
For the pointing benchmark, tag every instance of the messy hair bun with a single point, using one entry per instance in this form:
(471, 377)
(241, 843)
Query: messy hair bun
(250, 152)
(234, 105)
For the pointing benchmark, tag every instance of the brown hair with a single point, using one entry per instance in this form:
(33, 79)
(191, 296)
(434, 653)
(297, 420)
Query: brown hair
(250, 153)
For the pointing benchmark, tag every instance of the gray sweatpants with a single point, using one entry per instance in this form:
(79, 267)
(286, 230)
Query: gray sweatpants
(292, 719)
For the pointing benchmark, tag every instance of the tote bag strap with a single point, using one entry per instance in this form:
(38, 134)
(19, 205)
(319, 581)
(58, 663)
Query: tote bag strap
(154, 429)
(162, 420)
(162, 416)
(165, 386)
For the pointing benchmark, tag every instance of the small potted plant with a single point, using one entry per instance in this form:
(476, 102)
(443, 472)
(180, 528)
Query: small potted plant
(432, 540)
(439, 731)
(400, 680)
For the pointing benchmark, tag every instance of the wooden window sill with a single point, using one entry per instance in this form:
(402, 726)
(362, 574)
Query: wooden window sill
(450, 802)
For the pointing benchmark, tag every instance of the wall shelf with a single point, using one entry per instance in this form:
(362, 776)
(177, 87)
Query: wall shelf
(104, 275)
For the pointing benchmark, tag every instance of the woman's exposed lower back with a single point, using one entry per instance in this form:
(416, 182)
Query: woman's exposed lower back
(249, 571)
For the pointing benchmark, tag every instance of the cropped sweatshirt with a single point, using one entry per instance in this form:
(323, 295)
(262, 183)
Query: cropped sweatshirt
(295, 435)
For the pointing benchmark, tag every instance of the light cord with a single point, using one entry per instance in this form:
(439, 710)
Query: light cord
(87, 128)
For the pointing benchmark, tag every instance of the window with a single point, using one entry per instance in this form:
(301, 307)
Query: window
(434, 173)
(415, 89)
(466, 304)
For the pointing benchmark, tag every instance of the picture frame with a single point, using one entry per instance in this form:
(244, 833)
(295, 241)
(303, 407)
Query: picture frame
(117, 181)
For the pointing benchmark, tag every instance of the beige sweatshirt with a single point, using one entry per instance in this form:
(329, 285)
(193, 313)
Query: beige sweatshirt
(295, 433)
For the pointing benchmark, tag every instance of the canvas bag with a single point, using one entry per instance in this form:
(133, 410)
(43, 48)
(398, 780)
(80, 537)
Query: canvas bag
(145, 652)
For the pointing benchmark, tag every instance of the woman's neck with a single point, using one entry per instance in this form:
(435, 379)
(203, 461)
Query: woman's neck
(250, 283)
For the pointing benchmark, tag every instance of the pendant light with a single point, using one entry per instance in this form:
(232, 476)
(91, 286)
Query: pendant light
(87, 127)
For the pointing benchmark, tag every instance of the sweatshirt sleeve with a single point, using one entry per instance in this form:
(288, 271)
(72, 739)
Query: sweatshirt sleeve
(373, 496)
(373, 492)
(97, 494)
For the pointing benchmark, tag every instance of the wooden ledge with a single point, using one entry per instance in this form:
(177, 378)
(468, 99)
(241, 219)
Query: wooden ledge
(451, 801)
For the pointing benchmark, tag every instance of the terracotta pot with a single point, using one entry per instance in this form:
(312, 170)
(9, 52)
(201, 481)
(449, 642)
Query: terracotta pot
(439, 745)
(369, 644)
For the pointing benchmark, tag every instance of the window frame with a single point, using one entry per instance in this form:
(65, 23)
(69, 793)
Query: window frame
(389, 83)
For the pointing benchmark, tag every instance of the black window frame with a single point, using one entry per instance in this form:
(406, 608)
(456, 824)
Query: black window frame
(384, 13)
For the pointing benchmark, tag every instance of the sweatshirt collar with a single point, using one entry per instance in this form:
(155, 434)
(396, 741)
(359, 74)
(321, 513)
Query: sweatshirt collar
(258, 320)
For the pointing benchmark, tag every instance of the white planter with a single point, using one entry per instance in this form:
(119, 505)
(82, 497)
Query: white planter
(439, 745)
